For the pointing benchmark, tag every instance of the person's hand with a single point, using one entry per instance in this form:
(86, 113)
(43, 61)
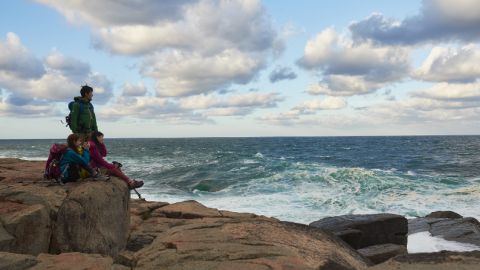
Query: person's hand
(86, 145)
(117, 166)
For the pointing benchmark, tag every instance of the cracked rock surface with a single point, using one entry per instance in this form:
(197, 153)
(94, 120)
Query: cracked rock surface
(188, 235)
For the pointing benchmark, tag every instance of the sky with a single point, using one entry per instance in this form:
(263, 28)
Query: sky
(241, 68)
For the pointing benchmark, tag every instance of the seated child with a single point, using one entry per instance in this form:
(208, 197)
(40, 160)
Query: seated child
(72, 161)
(98, 151)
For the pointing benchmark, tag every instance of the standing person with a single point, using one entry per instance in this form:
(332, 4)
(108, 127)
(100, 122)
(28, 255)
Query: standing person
(72, 161)
(98, 151)
(83, 122)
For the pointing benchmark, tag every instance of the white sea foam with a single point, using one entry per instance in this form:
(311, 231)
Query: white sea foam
(35, 158)
(425, 242)
(259, 155)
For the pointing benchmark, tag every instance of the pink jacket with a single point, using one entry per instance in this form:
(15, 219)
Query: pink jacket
(96, 159)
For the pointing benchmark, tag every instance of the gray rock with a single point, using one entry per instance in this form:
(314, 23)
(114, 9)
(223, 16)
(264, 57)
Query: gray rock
(381, 253)
(445, 260)
(377, 229)
(11, 261)
(443, 214)
(458, 229)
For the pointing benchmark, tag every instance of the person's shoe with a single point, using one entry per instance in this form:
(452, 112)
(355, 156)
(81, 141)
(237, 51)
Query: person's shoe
(101, 177)
(136, 184)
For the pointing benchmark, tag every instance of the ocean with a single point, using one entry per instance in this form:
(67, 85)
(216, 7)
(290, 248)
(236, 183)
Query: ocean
(299, 179)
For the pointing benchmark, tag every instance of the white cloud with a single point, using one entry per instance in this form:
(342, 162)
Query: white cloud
(111, 12)
(330, 103)
(189, 47)
(29, 110)
(450, 64)
(69, 66)
(199, 102)
(340, 85)
(17, 62)
(132, 90)
(258, 100)
(182, 111)
(228, 111)
(333, 54)
(450, 91)
(28, 82)
(180, 73)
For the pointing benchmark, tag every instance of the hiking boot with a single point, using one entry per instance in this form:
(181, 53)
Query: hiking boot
(101, 177)
(136, 184)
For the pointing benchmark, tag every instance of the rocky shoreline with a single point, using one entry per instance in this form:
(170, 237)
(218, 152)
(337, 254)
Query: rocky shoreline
(96, 225)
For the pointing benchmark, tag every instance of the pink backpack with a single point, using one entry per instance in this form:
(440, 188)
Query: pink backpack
(52, 168)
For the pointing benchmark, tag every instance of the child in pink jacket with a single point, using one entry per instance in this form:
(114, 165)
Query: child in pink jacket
(98, 151)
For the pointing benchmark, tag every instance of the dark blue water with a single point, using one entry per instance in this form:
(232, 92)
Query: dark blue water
(299, 179)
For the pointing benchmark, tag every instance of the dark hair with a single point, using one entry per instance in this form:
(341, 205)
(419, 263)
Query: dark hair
(96, 134)
(72, 138)
(85, 90)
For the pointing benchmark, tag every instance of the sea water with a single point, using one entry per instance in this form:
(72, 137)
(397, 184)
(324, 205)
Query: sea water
(302, 179)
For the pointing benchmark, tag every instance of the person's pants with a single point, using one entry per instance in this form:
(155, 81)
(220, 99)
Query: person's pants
(85, 137)
(73, 172)
(118, 173)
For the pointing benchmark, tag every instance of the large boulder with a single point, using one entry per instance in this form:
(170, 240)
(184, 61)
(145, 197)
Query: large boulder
(205, 239)
(149, 219)
(445, 260)
(94, 218)
(87, 216)
(444, 214)
(453, 229)
(376, 229)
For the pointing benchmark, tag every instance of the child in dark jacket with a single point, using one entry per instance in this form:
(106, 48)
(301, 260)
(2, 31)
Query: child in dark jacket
(98, 151)
(72, 161)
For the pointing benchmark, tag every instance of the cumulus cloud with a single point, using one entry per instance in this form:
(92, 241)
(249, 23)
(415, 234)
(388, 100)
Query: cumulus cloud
(330, 103)
(450, 91)
(292, 116)
(17, 62)
(185, 110)
(69, 66)
(132, 90)
(450, 64)
(423, 111)
(180, 73)
(26, 108)
(31, 84)
(340, 85)
(160, 109)
(147, 12)
(198, 47)
(333, 54)
(282, 73)
(437, 21)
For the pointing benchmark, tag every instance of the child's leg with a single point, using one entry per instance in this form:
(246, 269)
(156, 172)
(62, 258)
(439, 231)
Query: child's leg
(73, 174)
(89, 169)
(118, 173)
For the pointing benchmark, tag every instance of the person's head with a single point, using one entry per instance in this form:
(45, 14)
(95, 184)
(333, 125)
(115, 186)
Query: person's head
(97, 137)
(73, 142)
(86, 92)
